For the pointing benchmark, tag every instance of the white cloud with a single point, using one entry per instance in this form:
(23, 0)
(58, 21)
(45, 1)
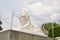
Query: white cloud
(38, 8)
(55, 16)
(43, 11)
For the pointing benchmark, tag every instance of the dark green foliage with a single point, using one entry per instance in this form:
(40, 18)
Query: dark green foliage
(0, 25)
(48, 26)
(56, 32)
(0, 28)
(0, 22)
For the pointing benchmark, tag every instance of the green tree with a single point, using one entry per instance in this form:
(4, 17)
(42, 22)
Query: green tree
(0, 25)
(0, 28)
(56, 32)
(47, 26)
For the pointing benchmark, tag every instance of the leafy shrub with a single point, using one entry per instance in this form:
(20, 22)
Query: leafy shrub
(56, 32)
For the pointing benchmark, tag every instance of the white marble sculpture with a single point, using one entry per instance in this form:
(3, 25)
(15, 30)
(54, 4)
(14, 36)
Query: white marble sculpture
(25, 24)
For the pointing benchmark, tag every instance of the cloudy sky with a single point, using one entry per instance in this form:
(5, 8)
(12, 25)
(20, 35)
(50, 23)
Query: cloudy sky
(40, 11)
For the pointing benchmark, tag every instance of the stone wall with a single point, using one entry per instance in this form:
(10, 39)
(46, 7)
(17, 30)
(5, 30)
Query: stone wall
(15, 35)
(4, 35)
